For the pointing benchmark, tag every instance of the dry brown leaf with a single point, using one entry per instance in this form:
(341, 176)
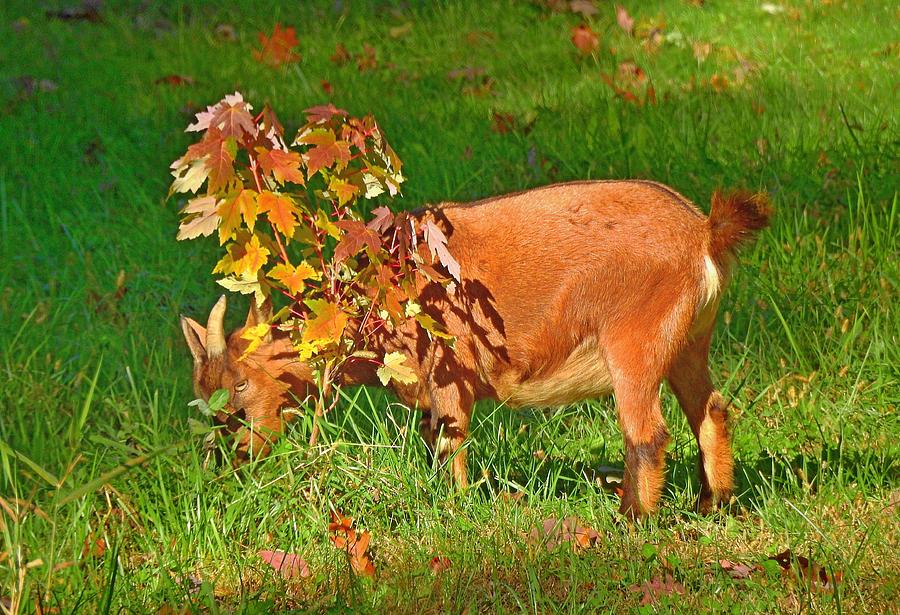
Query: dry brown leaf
(554, 532)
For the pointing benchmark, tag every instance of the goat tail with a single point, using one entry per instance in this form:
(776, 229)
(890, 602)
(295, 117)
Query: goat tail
(735, 219)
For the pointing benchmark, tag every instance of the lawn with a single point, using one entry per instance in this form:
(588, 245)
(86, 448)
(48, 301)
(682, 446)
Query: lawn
(108, 502)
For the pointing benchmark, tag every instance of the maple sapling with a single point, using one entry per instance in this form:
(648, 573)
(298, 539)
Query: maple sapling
(538, 298)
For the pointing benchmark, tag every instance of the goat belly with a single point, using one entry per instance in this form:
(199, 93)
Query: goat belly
(583, 375)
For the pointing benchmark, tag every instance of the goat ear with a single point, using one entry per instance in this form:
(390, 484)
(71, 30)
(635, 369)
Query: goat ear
(260, 314)
(195, 336)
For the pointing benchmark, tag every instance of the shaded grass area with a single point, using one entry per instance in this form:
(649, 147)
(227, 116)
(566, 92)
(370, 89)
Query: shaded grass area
(95, 376)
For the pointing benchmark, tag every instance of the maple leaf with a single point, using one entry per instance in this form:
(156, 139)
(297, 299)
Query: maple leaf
(394, 369)
(554, 532)
(437, 243)
(342, 189)
(189, 178)
(737, 571)
(255, 336)
(220, 162)
(625, 21)
(432, 326)
(328, 151)
(355, 544)
(243, 204)
(203, 218)
(278, 48)
(254, 258)
(382, 219)
(231, 115)
(323, 113)
(283, 165)
(585, 39)
(290, 565)
(328, 324)
(246, 285)
(281, 211)
(356, 236)
(294, 278)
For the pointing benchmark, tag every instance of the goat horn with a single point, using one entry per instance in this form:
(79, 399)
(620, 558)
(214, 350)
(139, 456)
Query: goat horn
(215, 329)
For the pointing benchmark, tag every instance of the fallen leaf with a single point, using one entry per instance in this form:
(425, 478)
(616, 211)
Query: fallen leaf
(89, 10)
(625, 21)
(326, 87)
(657, 587)
(279, 48)
(439, 564)
(585, 39)
(355, 544)
(585, 7)
(175, 80)
(554, 532)
(502, 123)
(701, 50)
(340, 56)
(401, 30)
(478, 37)
(469, 73)
(807, 570)
(736, 570)
(226, 32)
(290, 565)
(366, 60)
(26, 85)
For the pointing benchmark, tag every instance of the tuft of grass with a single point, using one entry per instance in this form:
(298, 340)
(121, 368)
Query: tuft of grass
(109, 501)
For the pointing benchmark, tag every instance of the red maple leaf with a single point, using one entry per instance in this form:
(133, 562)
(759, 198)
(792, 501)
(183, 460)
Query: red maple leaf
(278, 49)
(327, 152)
(356, 236)
(322, 113)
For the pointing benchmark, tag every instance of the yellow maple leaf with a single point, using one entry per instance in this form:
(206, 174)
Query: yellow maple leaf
(294, 277)
(393, 368)
(255, 256)
(255, 336)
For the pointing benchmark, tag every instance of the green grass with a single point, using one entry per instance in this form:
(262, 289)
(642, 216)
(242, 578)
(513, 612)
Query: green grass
(94, 434)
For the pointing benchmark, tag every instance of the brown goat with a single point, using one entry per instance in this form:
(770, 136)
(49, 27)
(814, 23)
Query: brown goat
(568, 292)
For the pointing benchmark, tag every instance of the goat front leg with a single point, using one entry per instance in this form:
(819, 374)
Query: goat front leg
(451, 410)
(644, 430)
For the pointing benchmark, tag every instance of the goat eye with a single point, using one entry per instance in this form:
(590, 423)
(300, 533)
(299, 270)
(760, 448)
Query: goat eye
(240, 386)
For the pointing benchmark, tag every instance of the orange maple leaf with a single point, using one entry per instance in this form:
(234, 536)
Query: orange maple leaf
(278, 48)
(328, 324)
(294, 277)
(284, 166)
(281, 211)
